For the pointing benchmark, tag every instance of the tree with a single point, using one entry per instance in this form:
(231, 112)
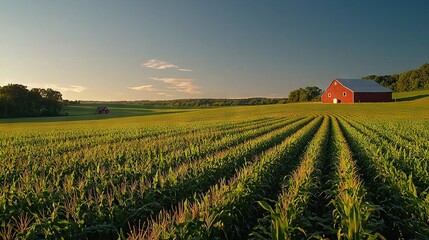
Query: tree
(388, 81)
(53, 100)
(17, 101)
(306, 94)
(313, 93)
(412, 80)
(15, 98)
(5, 99)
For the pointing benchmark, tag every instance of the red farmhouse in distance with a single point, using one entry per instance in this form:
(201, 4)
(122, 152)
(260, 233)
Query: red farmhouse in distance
(356, 90)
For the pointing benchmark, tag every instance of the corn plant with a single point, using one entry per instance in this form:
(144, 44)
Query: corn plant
(296, 191)
(352, 211)
(405, 209)
(221, 210)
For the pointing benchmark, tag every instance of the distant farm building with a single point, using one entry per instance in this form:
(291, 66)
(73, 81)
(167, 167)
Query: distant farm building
(102, 109)
(356, 90)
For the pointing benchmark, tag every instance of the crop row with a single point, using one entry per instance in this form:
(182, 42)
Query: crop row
(352, 215)
(352, 210)
(99, 201)
(142, 150)
(287, 219)
(310, 177)
(404, 210)
(227, 208)
(47, 137)
(45, 147)
(407, 158)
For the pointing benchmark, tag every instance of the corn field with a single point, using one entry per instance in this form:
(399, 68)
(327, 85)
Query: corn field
(319, 175)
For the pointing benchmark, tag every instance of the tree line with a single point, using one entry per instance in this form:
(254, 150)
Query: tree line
(207, 102)
(412, 80)
(18, 101)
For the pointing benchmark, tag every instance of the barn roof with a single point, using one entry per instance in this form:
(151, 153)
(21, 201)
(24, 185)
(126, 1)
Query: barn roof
(361, 85)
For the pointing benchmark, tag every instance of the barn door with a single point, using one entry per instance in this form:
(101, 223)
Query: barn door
(336, 100)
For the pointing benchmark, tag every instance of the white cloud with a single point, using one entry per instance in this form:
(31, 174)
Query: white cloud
(185, 70)
(70, 88)
(147, 88)
(150, 88)
(159, 64)
(180, 84)
(162, 65)
(174, 85)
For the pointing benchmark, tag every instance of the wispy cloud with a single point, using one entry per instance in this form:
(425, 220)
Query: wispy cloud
(150, 88)
(68, 88)
(185, 70)
(162, 65)
(147, 88)
(180, 84)
(159, 64)
(174, 85)
(165, 94)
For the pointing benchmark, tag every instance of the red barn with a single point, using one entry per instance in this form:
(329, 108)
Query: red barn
(356, 90)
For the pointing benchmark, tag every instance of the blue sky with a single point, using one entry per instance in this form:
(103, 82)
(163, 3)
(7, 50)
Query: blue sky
(129, 50)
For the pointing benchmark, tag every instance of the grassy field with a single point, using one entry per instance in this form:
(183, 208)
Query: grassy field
(87, 112)
(288, 171)
(412, 96)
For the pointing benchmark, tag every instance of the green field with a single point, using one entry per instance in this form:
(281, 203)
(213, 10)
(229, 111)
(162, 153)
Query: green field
(412, 96)
(289, 171)
(87, 112)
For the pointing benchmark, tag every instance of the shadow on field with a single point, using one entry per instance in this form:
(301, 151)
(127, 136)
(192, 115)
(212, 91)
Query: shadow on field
(85, 112)
(412, 98)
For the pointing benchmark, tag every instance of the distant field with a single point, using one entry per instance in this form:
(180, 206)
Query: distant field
(87, 112)
(297, 171)
(412, 96)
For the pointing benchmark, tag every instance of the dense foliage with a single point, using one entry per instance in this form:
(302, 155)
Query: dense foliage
(294, 171)
(207, 102)
(307, 94)
(17, 101)
(412, 80)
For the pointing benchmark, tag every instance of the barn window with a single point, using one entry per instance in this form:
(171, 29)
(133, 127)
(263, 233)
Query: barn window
(335, 83)
(344, 94)
(329, 94)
